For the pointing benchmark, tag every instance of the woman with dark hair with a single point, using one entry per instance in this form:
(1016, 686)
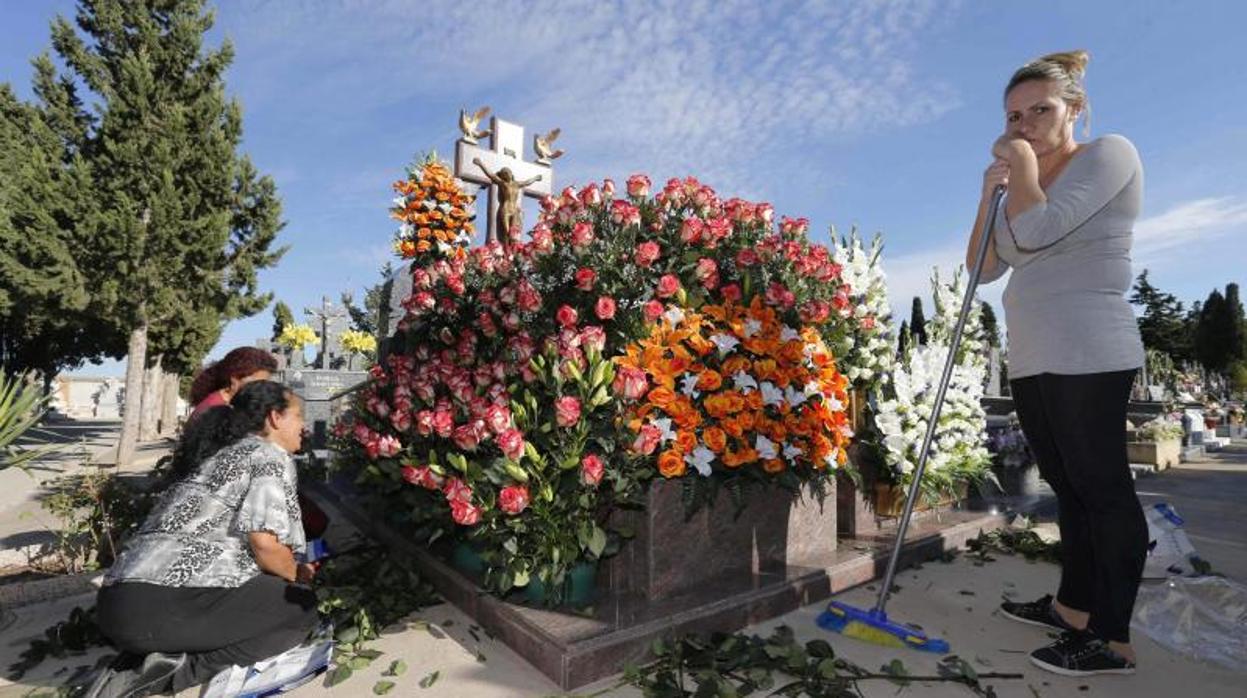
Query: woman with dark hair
(1074, 349)
(211, 578)
(218, 382)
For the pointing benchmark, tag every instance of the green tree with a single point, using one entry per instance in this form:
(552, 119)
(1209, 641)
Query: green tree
(1235, 325)
(991, 327)
(1162, 325)
(282, 318)
(902, 338)
(1212, 333)
(368, 318)
(918, 322)
(184, 222)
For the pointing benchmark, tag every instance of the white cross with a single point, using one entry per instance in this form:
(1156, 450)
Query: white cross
(506, 149)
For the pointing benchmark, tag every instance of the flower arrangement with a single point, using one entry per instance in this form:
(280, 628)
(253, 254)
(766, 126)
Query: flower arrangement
(541, 374)
(358, 342)
(1161, 429)
(958, 451)
(433, 212)
(869, 353)
(297, 337)
(1009, 447)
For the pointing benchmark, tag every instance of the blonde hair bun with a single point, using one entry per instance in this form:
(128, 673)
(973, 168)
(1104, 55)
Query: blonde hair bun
(1073, 62)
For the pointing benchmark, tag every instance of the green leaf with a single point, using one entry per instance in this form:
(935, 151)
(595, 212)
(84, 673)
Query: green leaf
(827, 668)
(820, 648)
(597, 541)
(429, 680)
(348, 635)
(397, 668)
(338, 675)
(357, 662)
(383, 687)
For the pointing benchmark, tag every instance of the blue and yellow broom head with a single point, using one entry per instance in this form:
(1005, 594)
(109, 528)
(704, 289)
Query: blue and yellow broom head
(874, 627)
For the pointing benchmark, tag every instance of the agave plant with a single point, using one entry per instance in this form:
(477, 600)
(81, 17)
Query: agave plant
(21, 406)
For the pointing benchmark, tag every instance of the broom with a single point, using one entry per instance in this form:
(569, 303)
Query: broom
(873, 625)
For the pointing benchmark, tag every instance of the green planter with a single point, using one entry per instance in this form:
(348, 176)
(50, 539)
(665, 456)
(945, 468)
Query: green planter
(467, 560)
(577, 587)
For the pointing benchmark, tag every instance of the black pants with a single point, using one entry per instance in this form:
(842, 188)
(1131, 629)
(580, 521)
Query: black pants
(215, 627)
(1076, 427)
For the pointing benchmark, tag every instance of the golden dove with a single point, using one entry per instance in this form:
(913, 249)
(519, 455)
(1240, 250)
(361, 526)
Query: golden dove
(468, 123)
(541, 146)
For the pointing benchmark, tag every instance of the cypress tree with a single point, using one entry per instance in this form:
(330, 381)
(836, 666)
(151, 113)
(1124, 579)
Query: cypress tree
(281, 318)
(918, 322)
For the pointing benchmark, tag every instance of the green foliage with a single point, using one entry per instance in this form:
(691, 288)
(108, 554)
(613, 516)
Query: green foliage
(917, 322)
(95, 513)
(22, 404)
(729, 665)
(1162, 325)
(282, 318)
(1014, 541)
(991, 327)
(1220, 330)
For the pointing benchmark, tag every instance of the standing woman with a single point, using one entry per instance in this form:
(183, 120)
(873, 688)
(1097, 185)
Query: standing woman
(1074, 349)
(211, 578)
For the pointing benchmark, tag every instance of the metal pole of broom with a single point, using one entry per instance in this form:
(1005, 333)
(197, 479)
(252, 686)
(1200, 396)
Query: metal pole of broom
(966, 304)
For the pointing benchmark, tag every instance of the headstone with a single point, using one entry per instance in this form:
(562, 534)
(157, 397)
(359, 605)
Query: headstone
(330, 322)
(318, 388)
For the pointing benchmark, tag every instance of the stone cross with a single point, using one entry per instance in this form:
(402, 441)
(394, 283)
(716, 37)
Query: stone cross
(506, 149)
(329, 317)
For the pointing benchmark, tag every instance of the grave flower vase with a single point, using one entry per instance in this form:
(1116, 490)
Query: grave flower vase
(578, 587)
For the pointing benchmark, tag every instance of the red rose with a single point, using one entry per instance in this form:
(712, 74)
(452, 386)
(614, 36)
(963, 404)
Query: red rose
(422, 476)
(585, 278)
(746, 258)
(566, 316)
(511, 441)
(668, 285)
(593, 337)
(647, 253)
(498, 417)
(582, 234)
(691, 230)
(567, 411)
(513, 499)
(605, 308)
(464, 513)
(731, 293)
(591, 469)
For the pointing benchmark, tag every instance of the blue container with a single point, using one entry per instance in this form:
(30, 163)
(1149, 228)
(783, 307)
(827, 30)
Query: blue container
(578, 587)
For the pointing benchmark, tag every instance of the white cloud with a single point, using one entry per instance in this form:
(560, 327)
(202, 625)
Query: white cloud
(909, 275)
(671, 87)
(1189, 227)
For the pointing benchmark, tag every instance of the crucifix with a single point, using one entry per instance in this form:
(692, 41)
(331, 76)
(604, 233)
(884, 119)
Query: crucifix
(326, 314)
(502, 169)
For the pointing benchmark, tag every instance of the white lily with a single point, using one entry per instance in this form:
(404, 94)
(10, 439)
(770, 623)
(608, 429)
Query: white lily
(744, 382)
(771, 395)
(788, 334)
(674, 316)
(765, 447)
(752, 327)
(791, 452)
(725, 343)
(794, 397)
(664, 428)
(688, 385)
(701, 458)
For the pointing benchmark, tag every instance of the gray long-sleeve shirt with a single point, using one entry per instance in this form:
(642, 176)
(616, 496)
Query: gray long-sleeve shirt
(1065, 304)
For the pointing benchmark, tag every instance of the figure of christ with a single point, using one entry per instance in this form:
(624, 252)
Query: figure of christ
(509, 190)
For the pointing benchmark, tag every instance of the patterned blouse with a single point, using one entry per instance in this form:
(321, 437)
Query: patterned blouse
(197, 534)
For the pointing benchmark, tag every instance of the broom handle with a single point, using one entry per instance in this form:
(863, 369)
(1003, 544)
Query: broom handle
(966, 304)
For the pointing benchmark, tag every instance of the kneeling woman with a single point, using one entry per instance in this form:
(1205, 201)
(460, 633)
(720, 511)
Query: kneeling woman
(211, 579)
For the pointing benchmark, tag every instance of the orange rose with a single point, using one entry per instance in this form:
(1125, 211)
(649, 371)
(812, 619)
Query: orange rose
(735, 459)
(671, 464)
(735, 364)
(709, 380)
(685, 441)
(747, 420)
(662, 397)
(733, 427)
(715, 438)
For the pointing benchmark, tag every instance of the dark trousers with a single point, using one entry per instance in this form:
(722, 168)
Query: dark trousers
(215, 627)
(1076, 427)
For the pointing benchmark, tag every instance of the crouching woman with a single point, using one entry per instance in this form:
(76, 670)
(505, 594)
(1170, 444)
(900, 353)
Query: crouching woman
(211, 578)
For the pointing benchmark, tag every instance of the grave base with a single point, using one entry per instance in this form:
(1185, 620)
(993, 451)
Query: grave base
(575, 650)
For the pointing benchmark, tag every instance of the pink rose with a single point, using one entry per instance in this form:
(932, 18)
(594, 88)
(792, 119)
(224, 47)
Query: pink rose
(668, 286)
(542, 239)
(466, 437)
(638, 186)
(567, 411)
(631, 383)
(456, 490)
(464, 513)
(582, 234)
(585, 278)
(401, 420)
(653, 310)
(605, 308)
(706, 269)
(511, 441)
(456, 285)
(608, 188)
(591, 195)
(513, 499)
(647, 253)
(592, 469)
(868, 322)
(566, 316)
(424, 422)
(691, 230)
(593, 337)
(746, 258)
(528, 298)
(422, 476)
(731, 293)
(388, 446)
(647, 440)
(766, 212)
(498, 417)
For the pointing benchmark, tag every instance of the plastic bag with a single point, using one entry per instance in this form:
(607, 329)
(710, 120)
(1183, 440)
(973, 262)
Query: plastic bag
(1169, 551)
(275, 675)
(1201, 617)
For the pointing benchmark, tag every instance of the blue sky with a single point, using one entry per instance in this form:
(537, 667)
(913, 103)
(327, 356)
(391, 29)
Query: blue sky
(878, 115)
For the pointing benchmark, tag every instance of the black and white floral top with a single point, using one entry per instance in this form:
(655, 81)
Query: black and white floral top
(197, 534)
